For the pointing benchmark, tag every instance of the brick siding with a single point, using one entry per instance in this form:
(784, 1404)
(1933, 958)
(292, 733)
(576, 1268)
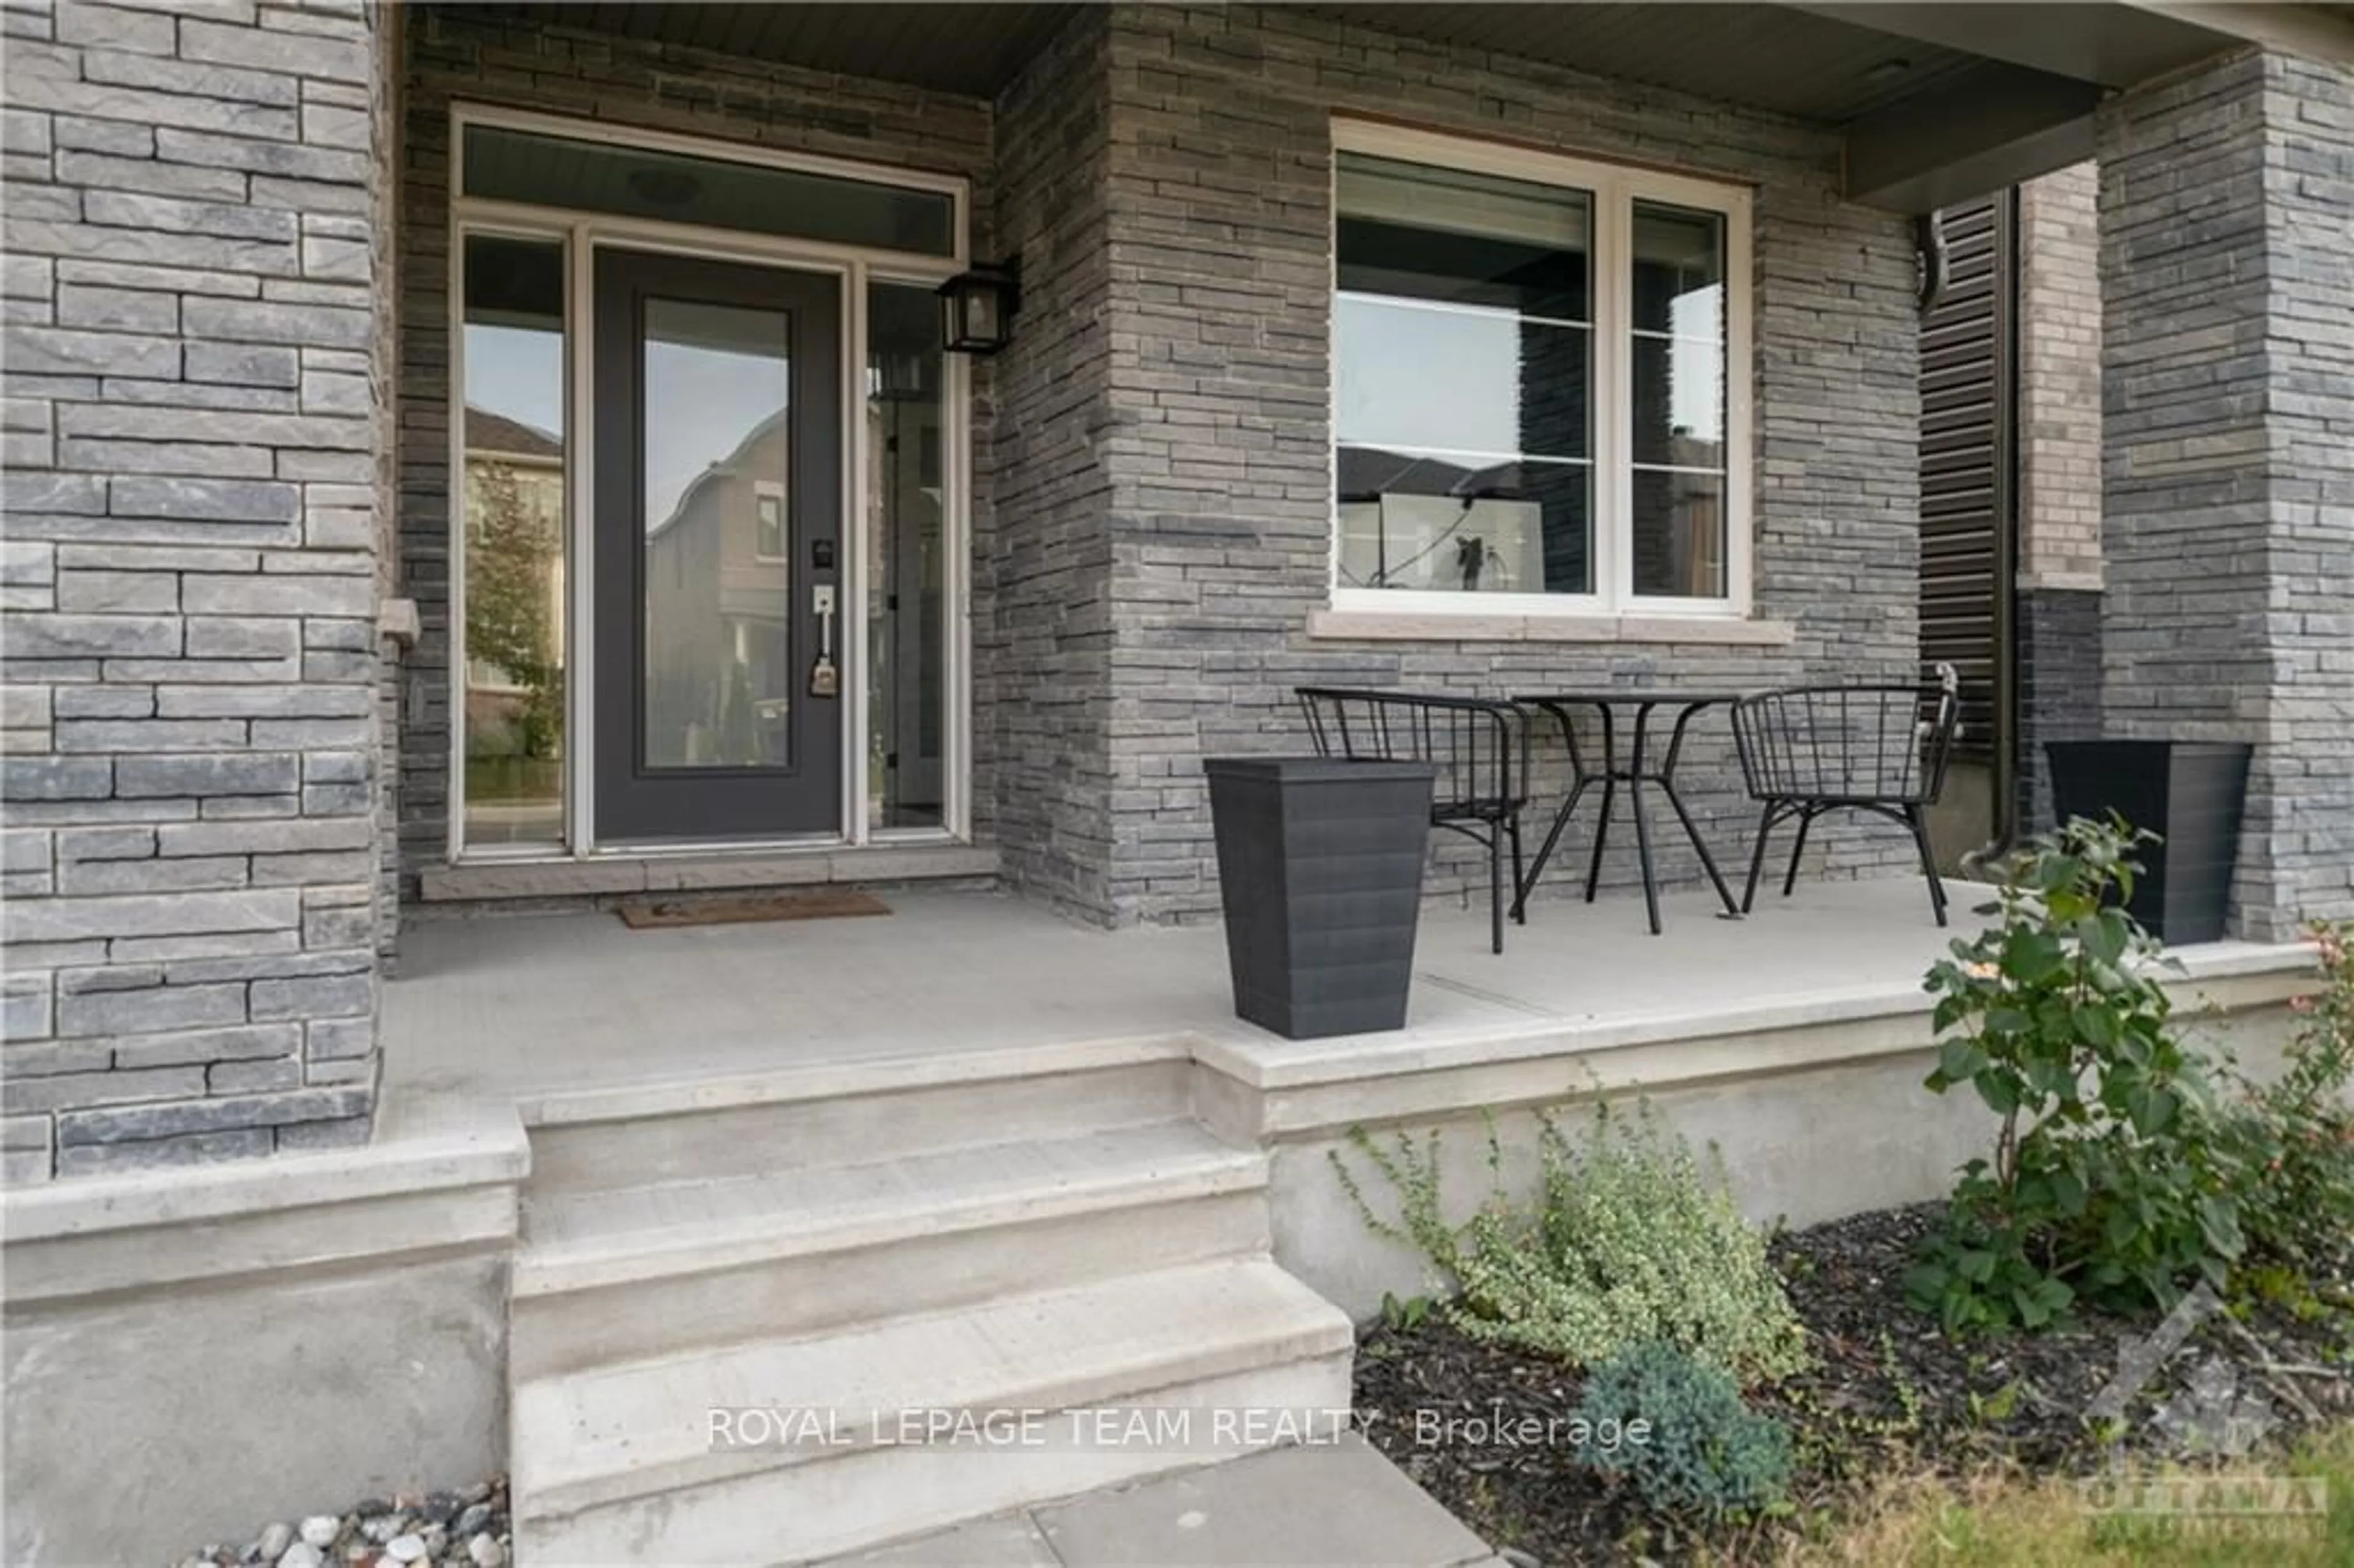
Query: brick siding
(2060, 380)
(2057, 607)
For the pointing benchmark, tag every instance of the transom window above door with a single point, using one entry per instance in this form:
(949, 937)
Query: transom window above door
(1540, 381)
(647, 178)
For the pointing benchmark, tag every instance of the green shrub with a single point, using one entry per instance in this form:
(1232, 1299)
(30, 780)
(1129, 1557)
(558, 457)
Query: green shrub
(1704, 1451)
(2298, 1132)
(1629, 1240)
(2113, 1178)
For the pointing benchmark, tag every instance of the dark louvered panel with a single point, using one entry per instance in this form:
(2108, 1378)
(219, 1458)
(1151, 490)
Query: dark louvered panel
(1964, 486)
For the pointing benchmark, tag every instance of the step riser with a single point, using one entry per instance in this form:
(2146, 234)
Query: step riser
(868, 1497)
(742, 1140)
(811, 1293)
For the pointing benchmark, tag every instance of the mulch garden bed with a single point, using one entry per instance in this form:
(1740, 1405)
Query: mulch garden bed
(1888, 1396)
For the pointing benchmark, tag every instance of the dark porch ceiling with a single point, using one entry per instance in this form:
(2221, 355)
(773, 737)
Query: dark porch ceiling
(972, 49)
(1766, 57)
(1771, 56)
(1939, 101)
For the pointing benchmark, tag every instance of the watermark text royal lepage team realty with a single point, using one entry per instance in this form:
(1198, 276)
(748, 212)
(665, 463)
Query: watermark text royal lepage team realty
(1239, 1428)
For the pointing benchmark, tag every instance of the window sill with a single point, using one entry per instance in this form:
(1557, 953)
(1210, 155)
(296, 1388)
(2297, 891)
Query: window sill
(1384, 626)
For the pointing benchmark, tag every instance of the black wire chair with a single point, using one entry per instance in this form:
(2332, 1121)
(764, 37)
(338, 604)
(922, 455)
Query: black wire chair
(1480, 748)
(1806, 750)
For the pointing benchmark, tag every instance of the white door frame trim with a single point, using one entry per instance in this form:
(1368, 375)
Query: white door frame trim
(582, 234)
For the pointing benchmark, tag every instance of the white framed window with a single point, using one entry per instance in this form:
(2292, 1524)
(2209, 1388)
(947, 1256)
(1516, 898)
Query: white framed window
(1540, 373)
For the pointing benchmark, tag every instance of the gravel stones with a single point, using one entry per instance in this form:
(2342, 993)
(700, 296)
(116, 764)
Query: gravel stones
(463, 1529)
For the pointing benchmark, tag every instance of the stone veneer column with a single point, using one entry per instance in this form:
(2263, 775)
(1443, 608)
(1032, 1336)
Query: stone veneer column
(195, 445)
(1044, 653)
(2058, 579)
(2227, 269)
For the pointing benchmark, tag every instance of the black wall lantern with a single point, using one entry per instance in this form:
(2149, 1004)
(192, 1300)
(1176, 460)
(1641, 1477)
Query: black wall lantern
(977, 307)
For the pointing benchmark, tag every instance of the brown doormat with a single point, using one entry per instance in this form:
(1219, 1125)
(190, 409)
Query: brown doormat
(819, 904)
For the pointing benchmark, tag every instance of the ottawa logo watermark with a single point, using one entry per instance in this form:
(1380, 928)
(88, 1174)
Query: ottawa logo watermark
(2213, 1421)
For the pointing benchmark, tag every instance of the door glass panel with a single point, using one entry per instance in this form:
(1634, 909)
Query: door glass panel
(718, 601)
(511, 729)
(906, 608)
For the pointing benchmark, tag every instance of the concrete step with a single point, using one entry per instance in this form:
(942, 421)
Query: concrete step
(1326, 1505)
(622, 1274)
(845, 1113)
(648, 1462)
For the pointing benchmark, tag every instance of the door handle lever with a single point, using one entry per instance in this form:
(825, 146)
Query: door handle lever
(824, 679)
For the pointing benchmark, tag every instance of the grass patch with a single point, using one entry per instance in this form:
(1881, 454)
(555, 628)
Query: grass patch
(2014, 1521)
(525, 779)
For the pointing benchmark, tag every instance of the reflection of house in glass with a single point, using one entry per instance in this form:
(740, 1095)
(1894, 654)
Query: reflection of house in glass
(1413, 522)
(1678, 511)
(906, 562)
(515, 622)
(718, 646)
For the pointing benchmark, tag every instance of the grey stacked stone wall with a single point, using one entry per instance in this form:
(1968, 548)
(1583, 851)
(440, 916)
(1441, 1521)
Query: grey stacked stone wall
(2227, 207)
(1042, 658)
(385, 208)
(2059, 636)
(2057, 604)
(1218, 439)
(2309, 228)
(190, 580)
(456, 55)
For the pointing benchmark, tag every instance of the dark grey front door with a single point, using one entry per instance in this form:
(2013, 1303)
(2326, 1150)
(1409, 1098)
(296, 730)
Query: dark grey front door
(718, 532)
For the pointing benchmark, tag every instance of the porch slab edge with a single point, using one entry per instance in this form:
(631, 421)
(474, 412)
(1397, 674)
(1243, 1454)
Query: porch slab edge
(491, 880)
(827, 1080)
(1264, 1094)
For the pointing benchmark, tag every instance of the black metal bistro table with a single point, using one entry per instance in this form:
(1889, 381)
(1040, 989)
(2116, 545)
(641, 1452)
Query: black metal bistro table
(1633, 771)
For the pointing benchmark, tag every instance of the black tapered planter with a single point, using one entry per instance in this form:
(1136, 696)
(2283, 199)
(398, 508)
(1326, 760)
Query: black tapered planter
(2191, 794)
(1320, 865)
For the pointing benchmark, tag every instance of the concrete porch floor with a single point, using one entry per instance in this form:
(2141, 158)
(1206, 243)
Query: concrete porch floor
(527, 1006)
